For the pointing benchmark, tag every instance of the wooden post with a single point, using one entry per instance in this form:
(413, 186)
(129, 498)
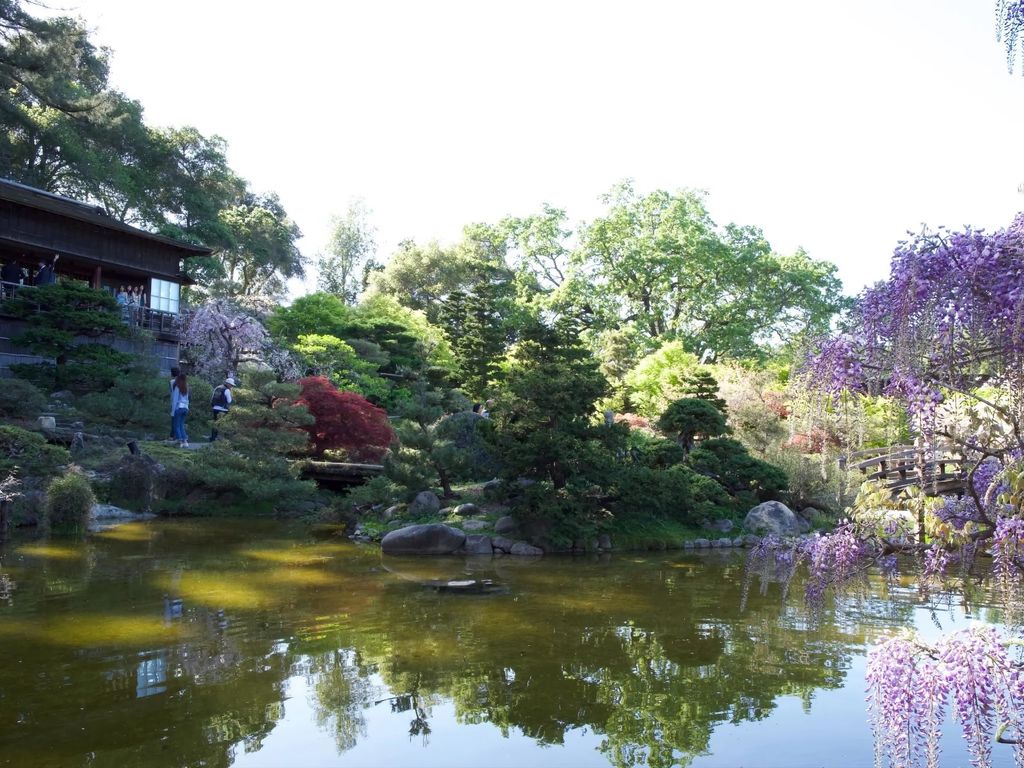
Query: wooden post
(97, 278)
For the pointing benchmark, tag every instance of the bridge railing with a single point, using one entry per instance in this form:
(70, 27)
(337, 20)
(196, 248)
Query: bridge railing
(936, 470)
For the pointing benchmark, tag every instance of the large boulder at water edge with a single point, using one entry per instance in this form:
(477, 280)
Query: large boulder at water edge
(523, 549)
(478, 544)
(425, 503)
(772, 517)
(431, 539)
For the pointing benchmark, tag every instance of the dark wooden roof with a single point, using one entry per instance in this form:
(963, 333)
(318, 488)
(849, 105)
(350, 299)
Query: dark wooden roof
(31, 197)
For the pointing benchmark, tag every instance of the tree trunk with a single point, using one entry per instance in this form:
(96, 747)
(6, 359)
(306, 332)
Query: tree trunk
(446, 484)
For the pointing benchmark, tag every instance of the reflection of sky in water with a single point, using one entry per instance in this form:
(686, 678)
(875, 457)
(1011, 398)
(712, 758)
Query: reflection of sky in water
(230, 643)
(387, 742)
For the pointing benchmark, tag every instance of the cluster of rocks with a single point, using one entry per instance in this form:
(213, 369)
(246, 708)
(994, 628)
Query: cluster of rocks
(464, 535)
(441, 539)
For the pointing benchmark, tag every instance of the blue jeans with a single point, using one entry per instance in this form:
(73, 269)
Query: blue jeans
(178, 423)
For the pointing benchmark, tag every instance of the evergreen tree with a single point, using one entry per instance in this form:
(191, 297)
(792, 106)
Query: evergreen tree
(690, 418)
(545, 409)
(421, 445)
(478, 329)
(701, 385)
(60, 320)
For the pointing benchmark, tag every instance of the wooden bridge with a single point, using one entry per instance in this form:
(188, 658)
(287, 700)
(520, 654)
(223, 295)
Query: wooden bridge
(938, 471)
(339, 474)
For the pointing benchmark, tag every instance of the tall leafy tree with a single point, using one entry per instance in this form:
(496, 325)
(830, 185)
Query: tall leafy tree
(658, 263)
(262, 253)
(346, 266)
(419, 277)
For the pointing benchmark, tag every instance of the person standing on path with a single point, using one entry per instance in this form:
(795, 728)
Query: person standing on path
(220, 403)
(175, 372)
(179, 407)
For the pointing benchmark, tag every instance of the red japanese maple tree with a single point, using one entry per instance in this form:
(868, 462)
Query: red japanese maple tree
(344, 420)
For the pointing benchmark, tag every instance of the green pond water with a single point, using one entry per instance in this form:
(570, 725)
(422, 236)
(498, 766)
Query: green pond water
(215, 643)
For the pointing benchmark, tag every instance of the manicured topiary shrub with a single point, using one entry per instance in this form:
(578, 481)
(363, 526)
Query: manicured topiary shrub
(28, 454)
(749, 479)
(690, 418)
(69, 499)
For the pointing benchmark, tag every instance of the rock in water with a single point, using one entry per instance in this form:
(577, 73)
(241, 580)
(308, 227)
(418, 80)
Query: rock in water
(430, 539)
(772, 517)
(478, 544)
(523, 549)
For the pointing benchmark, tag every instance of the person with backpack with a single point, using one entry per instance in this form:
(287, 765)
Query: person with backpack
(220, 403)
(179, 409)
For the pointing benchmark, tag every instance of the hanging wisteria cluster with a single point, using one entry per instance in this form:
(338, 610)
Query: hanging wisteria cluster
(944, 336)
(911, 685)
(950, 317)
(1009, 23)
(834, 560)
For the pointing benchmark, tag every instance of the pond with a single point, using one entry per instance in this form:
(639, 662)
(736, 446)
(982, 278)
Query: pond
(242, 643)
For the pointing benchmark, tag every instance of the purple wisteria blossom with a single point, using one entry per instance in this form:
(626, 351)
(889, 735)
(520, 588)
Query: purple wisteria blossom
(910, 684)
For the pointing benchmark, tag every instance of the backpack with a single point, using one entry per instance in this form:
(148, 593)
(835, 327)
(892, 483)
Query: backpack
(219, 400)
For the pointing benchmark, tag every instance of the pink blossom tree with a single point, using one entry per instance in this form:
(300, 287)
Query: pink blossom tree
(221, 335)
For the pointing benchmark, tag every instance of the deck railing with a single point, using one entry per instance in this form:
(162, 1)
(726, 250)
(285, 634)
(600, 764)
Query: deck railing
(158, 322)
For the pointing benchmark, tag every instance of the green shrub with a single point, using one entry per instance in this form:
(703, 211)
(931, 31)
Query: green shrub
(379, 490)
(240, 479)
(654, 452)
(20, 399)
(749, 479)
(563, 514)
(468, 434)
(69, 500)
(28, 453)
(677, 493)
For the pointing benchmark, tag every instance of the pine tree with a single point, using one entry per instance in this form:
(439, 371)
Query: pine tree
(421, 445)
(701, 385)
(544, 411)
(62, 321)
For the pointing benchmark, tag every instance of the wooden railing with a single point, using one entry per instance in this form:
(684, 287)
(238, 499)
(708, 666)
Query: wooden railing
(158, 322)
(936, 470)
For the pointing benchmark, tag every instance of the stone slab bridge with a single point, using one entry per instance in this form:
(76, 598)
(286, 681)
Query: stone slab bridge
(938, 471)
(339, 474)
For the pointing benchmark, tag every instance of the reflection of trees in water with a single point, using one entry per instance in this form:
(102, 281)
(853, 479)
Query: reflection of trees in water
(652, 661)
(341, 689)
(650, 655)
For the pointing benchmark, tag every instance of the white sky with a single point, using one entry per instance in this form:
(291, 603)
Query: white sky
(836, 126)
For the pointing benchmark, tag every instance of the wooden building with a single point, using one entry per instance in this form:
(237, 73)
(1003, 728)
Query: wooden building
(95, 248)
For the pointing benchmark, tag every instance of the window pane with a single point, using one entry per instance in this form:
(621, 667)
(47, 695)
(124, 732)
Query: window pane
(164, 295)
